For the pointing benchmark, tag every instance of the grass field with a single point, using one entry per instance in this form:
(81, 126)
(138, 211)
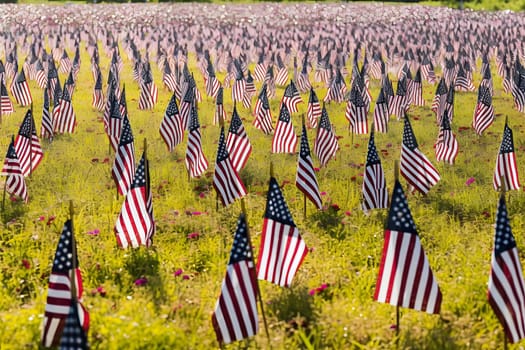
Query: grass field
(185, 267)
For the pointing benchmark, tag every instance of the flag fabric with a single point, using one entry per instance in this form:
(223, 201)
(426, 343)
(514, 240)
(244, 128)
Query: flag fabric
(196, 162)
(149, 92)
(135, 224)
(249, 92)
(220, 113)
(169, 79)
(73, 336)
(284, 139)
(400, 102)
(46, 130)
(235, 316)
(262, 112)
(506, 289)
(291, 97)
(416, 90)
(305, 180)
(186, 106)
(98, 95)
(381, 114)
(66, 121)
(212, 83)
(124, 163)
(226, 180)
(446, 145)
(239, 85)
(375, 192)
(313, 111)
(325, 144)
(15, 183)
(6, 106)
(438, 103)
(414, 166)
(237, 143)
(40, 75)
(484, 112)
(59, 295)
(282, 248)
(27, 145)
(405, 278)
(20, 89)
(171, 128)
(115, 124)
(356, 112)
(506, 165)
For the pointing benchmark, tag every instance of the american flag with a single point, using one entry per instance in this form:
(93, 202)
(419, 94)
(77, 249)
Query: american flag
(427, 70)
(305, 180)
(212, 83)
(52, 78)
(135, 224)
(186, 106)
(40, 74)
(59, 295)
(282, 72)
(506, 165)
(416, 90)
(284, 139)
(123, 106)
(66, 120)
(235, 316)
(446, 145)
(249, 92)
(449, 105)
(237, 142)
(220, 113)
(196, 162)
(115, 125)
(98, 95)
(239, 85)
(226, 180)
(64, 63)
(171, 128)
(149, 93)
(506, 289)
(262, 112)
(6, 106)
(169, 79)
(124, 163)
(325, 144)
(75, 68)
(401, 100)
(375, 193)
(302, 80)
(20, 89)
(46, 130)
(313, 111)
(70, 84)
(73, 337)
(15, 183)
(27, 145)
(282, 248)
(57, 95)
(463, 83)
(337, 89)
(260, 68)
(414, 166)
(356, 112)
(291, 97)
(484, 112)
(269, 81)
(381, 114)
(405, 278)
(438, 103)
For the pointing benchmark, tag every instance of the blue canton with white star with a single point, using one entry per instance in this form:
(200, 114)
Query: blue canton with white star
(241, 245)
(399, 217)
(504, 239)
(276, 208)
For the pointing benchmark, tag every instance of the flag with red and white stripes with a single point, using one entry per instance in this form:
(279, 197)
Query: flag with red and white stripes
(27, 145)
(226, 180)
(262, 112)
(446, 145)
(59, 293)
(305, 179)
(237, 142)
(149, 92)
(506, 165)
(356, 112)
(405, 278)
(414, 166)
(282, 248)
(66, 120)
(381, 115)
(135, 224)
(20, 89)
(6, 106)
(313, 111)
(171, 128)
(235, 316)
(484, 112)
(220, 113)
(506, 289)
(325, 144)
(98, 96)
(46, 130)
(284, 139)
(196, 162)
(124, 163)
(291, 97)
(15, 183)
(375, 192)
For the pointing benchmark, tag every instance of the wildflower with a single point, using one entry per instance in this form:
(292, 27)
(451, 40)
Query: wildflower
(193, 235)
(41, 218)
(178, 272)
(141, 281)
(317, 169)
(470, 181)
(50, 220)
(185, 277)
(101, 291)
(95, 232)
(26, 263)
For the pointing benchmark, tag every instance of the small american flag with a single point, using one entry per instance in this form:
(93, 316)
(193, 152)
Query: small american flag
(239, 85)
(40, 74)
(284, 139)
(262, 112)
(446, 145)
(98, 95)
(186, 106)
(356, 112)
(375, 193)
(249, 92)
(64, 63)
(135, 224)
(59, 295)
(124, 163)
(305, 180)
(196, 162)
(405, 278)
(6, 106)
(220, 113)
(20, 89)
(171, 128)
(291, 97)
(506, 289)
(46, 130)
(27, 145)
(148, 90)
(438, 103)
(15, 183)
(282, 249)
(484, 112)
(169, 79)
(226, 180)
(381, 114)
(414, 166)
(235, 316)
(66, 120)
(115, 124)
(506, 165)
(325, 144)
(313, 111)
(237, 142)
(416, 90)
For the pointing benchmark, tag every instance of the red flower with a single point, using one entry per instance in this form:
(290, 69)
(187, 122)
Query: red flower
(141, 281)
(26, 263)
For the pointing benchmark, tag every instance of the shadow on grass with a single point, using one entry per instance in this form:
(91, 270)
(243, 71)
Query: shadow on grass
(438, 338)
(13, 210)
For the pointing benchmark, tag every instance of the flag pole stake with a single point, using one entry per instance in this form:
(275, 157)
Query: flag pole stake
(396, 170)
(3, 197)
(73, 253)
(397, 326)
(505, 341)
(243, 209)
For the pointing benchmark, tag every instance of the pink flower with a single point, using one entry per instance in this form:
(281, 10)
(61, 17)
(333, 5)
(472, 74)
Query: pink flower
(348, 213)
(101, 291)
(316, 169)
(50, 220)
(312, 292)
(196, 213)
(393, 327)
(185, 277)
(141, 281)
(470, 181)
(178, 272)
(26, 263)
(202, 195)
(323, 193)
(95, 232)
(193, 235)
(41, 218)
(335, 207)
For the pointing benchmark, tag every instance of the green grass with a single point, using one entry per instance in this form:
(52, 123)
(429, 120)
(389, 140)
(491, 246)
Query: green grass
(455, 223)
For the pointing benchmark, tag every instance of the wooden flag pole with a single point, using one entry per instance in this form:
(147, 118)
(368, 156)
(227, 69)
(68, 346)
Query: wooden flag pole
(74, 254)
(243, 209)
